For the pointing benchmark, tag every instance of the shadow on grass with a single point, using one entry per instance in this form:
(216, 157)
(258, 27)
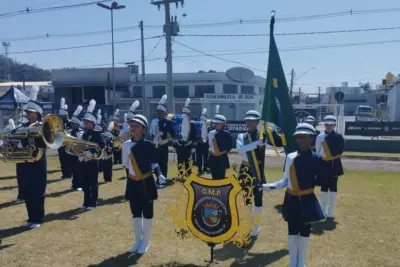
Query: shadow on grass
(279, 208)
(10, 204)
(68, 215)
(15, 177)
(5, 246)
(124, 259)
(111, 201)
(6, 188)
(122, 178)
(61, 193)
(319, 228)
(13, 231)
(177, 264)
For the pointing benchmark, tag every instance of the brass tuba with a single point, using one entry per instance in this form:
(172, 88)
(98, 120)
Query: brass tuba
(77, 147)
(119, 141)
(40, 135)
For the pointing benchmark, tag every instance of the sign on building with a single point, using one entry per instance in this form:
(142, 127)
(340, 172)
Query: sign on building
(233, 98)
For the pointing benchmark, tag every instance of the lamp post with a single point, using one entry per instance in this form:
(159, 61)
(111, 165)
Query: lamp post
(112, 7)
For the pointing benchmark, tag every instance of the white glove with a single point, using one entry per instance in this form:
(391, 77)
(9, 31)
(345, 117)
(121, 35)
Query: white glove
(266, 187)
(162, 179)
(20, 146)
(88, 154)
(193, 150)
(260, 142)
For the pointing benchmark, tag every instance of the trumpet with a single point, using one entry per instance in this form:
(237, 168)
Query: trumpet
(119, 141)
(77, 147)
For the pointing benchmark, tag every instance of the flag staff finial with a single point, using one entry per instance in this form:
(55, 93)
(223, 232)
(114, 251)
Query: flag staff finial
(273, 12)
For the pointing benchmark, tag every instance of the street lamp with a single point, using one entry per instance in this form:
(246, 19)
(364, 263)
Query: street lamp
(112, 7)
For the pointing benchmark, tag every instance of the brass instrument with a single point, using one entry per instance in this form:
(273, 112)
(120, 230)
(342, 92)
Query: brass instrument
(40, 135)
(77, 147)
(119, 141)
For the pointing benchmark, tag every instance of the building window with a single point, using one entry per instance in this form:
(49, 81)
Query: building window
(158, 91)
(200, 90)
(181, 91)
(230, 89)
(136, 91)
(247, 89)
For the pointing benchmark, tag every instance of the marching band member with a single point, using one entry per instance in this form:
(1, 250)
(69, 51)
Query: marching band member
(66, 168)
(311, 120)
(186, 144)
(252, 150)
(300, 206)
(77, 170)
(163, 134)
(90, 167)
(202, 145)
(330, 146)
(139, 157)
(116, 133)
(125, 125)
(220, 141)
(34, 174)
(107, 161)
(99, 128)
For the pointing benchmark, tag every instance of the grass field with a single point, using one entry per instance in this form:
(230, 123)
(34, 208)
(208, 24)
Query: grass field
(366, 231)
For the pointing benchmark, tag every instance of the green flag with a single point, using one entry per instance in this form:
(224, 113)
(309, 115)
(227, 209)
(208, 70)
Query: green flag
(277, 106)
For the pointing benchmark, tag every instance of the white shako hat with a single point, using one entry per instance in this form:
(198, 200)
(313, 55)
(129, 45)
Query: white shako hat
(75, 118)
(63, 111)
(10, 125)
(186, 109)
(132, 110)
(252, 115)
(125, 117)
(140, 119)
(218, 118)
(203, 116)
(89, 116)
(304, 128)
(329, 119)
(33, 105)
(108, 133)
(310, 119)
(162, 104)
(116, 115)
(98, 121)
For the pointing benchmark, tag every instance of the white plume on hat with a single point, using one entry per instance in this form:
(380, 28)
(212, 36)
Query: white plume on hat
(66, 107)
(116, 113)
(161, 105)
(78, 111)
(186, 109)
(125, 116)
(134, 106)
(62, 103)
(110, 126)
(92, 105)
(11, 125)
(203, 116)
(99, 116)
(217, 109)
(34, 92)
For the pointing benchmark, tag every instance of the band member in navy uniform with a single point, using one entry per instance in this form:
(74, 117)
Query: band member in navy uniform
(139, 157)
(66, 168)
(107, 160)
(311, 120)
(116, 133)
(220, 141)
(90, 166)
(184, 148)
(303, 170)
(162, 136)
(34, 174)
(77, 170)
(202, 145)
(251, 147)
(98, 127)
(330, 146)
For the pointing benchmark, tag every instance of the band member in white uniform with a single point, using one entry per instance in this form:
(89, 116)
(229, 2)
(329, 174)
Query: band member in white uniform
(311, 120)
(330, 146)
(139, 158)
(202, 149)
(303, 170)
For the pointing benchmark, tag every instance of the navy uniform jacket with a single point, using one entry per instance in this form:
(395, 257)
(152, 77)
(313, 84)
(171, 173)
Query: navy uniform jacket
(140, 159)
(220, 145)
(303, 171)
(330, 147)
(166, 128)
(246, 145)
(192, 140)
(94, 137)
(314, 139)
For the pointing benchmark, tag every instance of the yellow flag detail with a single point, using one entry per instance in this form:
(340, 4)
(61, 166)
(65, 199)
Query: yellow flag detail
(275, 82)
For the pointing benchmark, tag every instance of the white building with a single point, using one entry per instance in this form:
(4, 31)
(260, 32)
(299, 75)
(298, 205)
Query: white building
(393, 103)
(236, 90)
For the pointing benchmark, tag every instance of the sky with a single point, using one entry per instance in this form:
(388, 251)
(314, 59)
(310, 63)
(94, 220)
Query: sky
(313, 67)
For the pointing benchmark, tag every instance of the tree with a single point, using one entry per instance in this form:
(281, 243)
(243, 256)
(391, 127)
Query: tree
(366, 87)
(22, 72)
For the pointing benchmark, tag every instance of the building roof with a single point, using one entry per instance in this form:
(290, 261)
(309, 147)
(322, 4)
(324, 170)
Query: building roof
(9, 84)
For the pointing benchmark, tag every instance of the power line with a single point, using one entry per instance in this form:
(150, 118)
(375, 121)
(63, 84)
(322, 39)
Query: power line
(154, 48)
(81, 46)
(28, 10)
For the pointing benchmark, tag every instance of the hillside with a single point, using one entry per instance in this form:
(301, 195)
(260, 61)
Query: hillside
(21, 72)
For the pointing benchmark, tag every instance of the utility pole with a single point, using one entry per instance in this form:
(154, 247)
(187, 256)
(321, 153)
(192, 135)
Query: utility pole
(319, 94)
(171, 28)
(6, 46)
(145, 109)
(291, 84)
(299, 95)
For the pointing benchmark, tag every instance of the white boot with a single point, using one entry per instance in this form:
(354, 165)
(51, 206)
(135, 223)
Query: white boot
(303, 248)
(256, 220)
(332, 203)
(144, 246)
(324, 202)
(137, 228)
(293, 241)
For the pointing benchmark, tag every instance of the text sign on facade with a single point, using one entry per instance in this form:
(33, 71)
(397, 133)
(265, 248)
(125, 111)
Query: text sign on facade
(232, 98)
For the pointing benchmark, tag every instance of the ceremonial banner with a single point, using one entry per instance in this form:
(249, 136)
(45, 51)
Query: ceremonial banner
(212, 214)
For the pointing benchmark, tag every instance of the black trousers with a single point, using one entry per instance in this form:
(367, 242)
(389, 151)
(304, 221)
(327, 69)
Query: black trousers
(66, 168)
(329, 184)
(141, 209)
(117, 157)
(90, 183)
(126, 188)
(162, 159)
(19, 181)
(299, 227)
(106, 166)
(218, 173)
(77, 173)
(202, 157)
(34, 179)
